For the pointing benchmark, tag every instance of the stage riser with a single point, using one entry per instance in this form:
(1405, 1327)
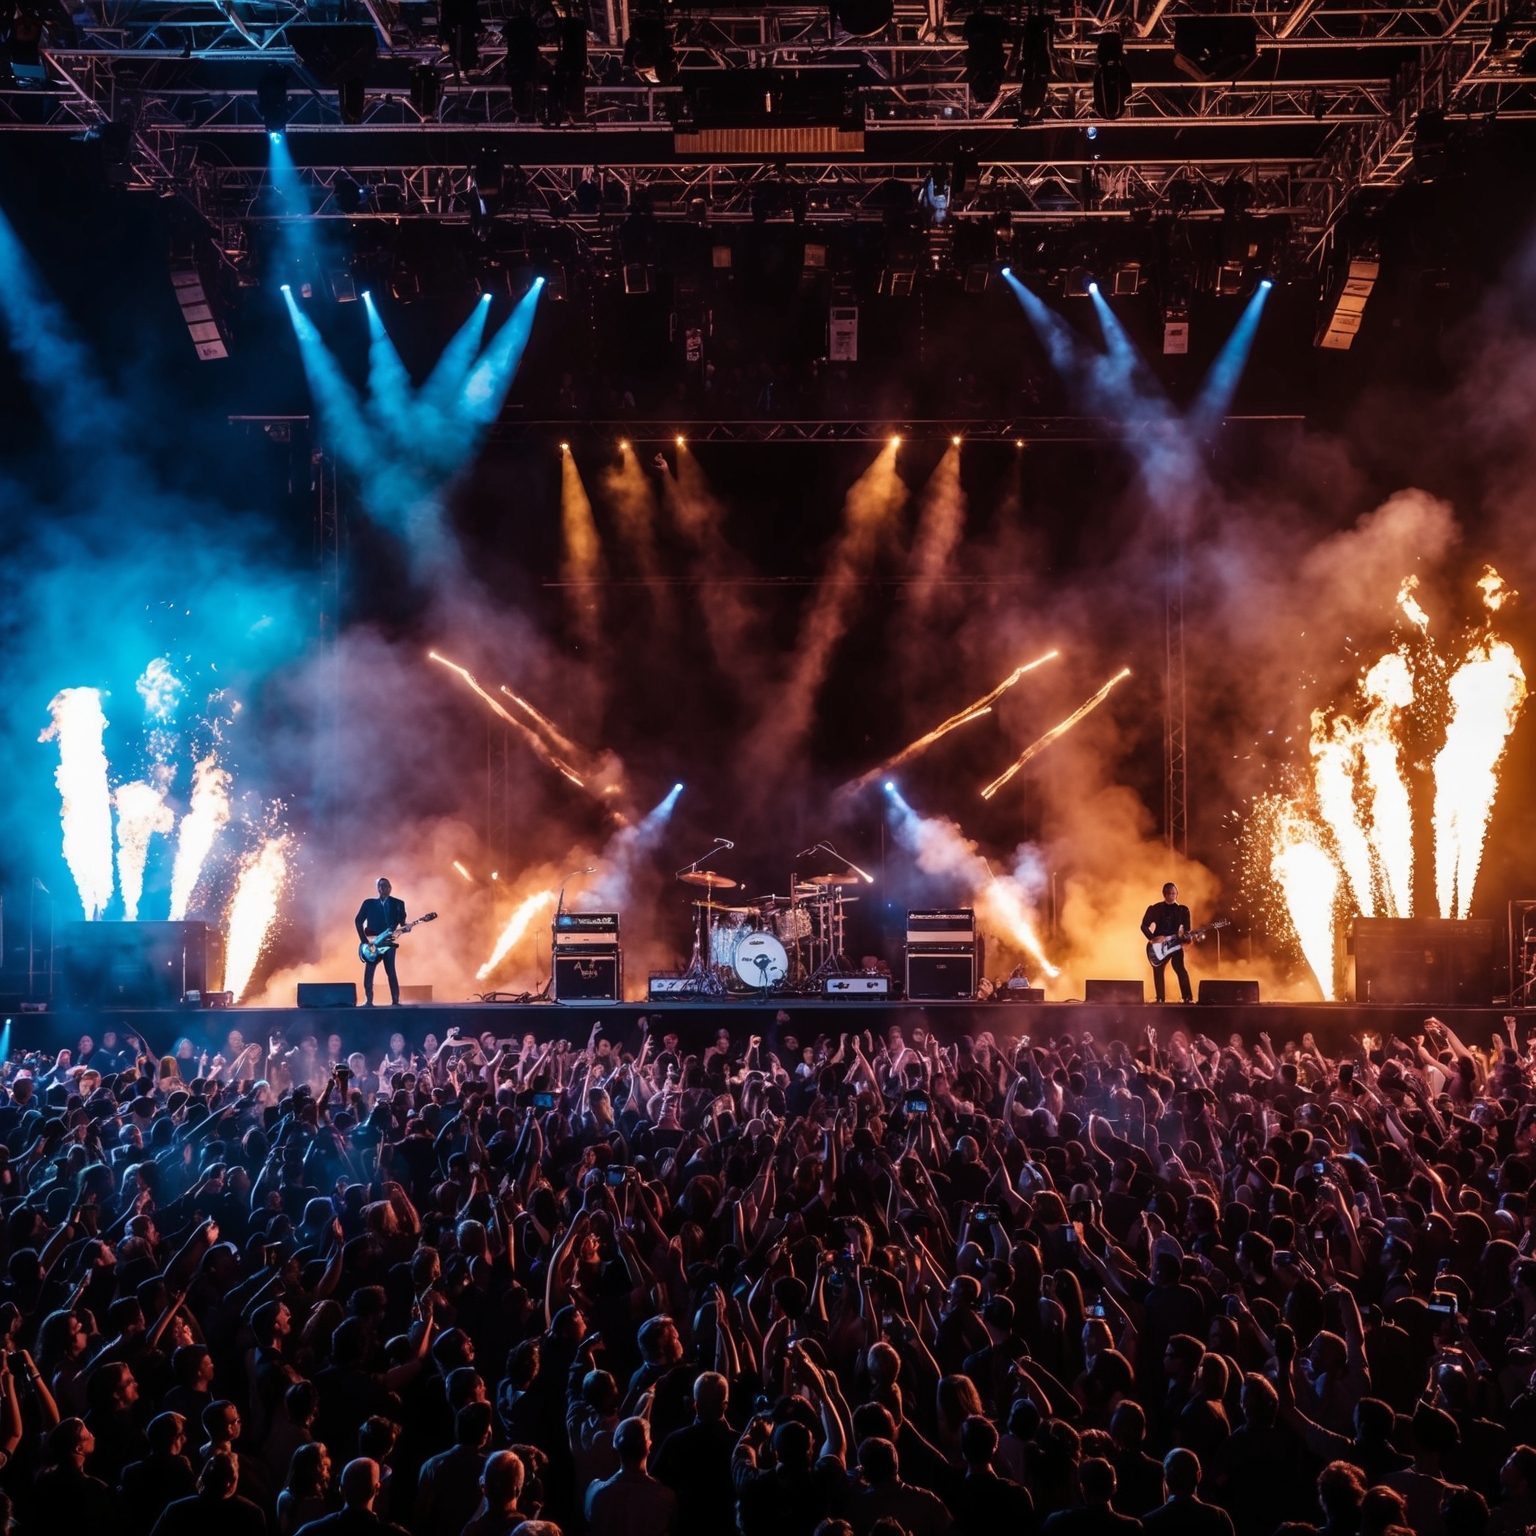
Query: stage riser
(697, 1023)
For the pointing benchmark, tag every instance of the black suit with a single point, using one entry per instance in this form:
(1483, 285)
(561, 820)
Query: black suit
(1162, 920)
(375, 916)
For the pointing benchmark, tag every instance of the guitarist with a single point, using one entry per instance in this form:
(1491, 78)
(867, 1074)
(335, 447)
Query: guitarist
(376, 917)
(1167, 919)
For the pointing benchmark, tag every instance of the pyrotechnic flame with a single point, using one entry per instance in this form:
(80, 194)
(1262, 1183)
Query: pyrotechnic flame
(160, 690)
(517, 925)
(458, 866)
(1056, 732)
(1389, 687)
(1336, 765)
(209, 812)
(602, 772)
(141, 812)
(253, 911)
(982, 706)
(1486, 694)
(1494, 589)
(1410, 604)
(1309, 883)
(86, 811)
(532, 737)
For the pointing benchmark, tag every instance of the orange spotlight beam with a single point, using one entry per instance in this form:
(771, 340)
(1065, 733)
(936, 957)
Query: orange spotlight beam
(532, 737)
(1056, 732)
(975, 711)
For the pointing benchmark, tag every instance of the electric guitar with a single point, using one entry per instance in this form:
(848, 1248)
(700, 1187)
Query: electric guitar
(376, 948)
(1159, 950)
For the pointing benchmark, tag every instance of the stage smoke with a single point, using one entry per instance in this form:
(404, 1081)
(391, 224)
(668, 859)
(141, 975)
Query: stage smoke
(582, 568)
(717, 569)
(940, 526)
(86, 809)
(946, 856)
(627, 490)
(867, 510)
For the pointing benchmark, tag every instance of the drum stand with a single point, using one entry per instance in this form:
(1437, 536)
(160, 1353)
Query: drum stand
(702, 978)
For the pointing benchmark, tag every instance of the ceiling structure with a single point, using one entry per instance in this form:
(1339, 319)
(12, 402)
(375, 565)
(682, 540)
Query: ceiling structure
(1329, 106)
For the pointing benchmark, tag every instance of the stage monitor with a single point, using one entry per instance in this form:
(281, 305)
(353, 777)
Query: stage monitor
(1228, 993)
(1115, 994)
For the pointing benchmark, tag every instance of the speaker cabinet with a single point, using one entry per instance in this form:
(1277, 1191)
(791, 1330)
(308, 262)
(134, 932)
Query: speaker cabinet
(938, 973)
(328, 994)
(1116, 994)
(588, 977)
(1228, 994)
(136, 965)
(1424, 962)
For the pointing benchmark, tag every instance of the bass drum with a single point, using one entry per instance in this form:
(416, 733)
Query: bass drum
(760, 960)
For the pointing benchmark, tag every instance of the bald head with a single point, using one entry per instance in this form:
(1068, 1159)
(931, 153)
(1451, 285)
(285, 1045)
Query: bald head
(360, 1483)
(709, 1394)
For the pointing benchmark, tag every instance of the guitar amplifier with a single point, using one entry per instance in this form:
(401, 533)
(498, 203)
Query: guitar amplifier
(662, 987)
(589, 976)
(587, 930)
(955, 925)
(856, 986)
(939, 973)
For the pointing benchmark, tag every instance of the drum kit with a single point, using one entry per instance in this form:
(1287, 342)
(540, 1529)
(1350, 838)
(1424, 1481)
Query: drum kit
(768, 944)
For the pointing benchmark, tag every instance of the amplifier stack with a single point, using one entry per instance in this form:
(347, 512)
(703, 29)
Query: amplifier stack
(588, 963)
(943, 954)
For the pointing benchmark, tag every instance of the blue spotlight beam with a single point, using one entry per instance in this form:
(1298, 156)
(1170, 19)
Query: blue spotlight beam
(389, 385)
(485, 389)
(446, 381)
(1220, 384)
(295, 224)
(338, 402)
(79, 410)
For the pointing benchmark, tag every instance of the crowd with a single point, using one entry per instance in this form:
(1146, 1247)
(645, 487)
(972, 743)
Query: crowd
(847, 1286)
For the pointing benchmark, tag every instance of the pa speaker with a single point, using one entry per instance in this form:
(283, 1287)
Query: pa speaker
(327, 994)
(1215, 47)
(1229, 994)
(1117, 994)
(1428, 962)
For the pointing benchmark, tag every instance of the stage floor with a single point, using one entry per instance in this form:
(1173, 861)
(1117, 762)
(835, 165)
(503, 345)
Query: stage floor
(696, 1021)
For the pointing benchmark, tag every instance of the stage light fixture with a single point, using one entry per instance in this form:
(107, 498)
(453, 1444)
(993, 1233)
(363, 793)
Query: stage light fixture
(272, 98)
(1111, 78)
(426, 90)
(956, 441)
(571, 68)
(895, 442)
(986, 58)
(1018, 442)
(1034, 63)
(1007, 271)
(890, 788)
(523, 66)
(623, 444)
(565, 447)
(649, 50)
(677, 789)
(863, 18)
(679, 442)
(1266, 282)
(458, 28)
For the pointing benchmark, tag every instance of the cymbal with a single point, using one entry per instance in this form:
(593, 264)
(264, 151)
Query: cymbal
(831, 880)
(707, 877)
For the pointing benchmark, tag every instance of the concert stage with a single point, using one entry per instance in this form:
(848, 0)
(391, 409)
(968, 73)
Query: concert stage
(696, 1022)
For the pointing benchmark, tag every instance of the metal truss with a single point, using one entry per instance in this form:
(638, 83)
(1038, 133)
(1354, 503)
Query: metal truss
(1020, 430)
(1327, 110)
